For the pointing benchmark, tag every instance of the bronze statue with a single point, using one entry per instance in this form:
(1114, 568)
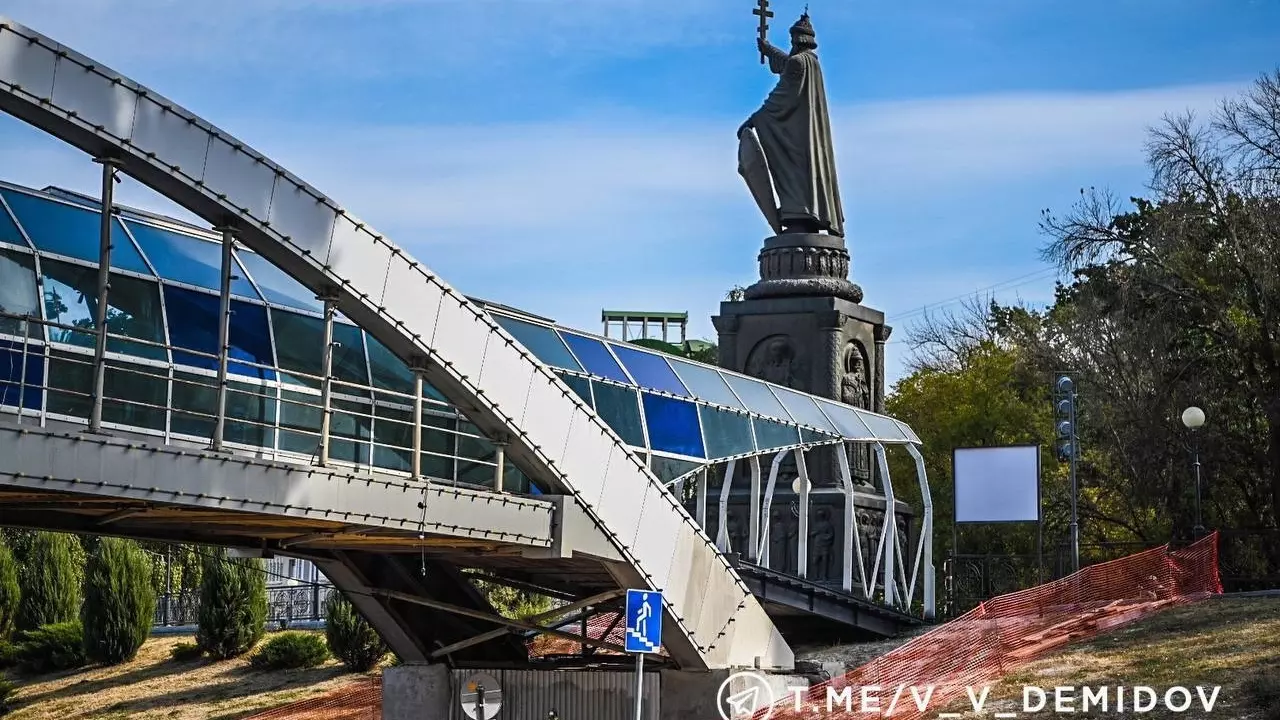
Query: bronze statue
(784, 149)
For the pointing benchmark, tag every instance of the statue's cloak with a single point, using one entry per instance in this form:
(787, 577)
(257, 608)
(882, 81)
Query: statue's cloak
(794, 131)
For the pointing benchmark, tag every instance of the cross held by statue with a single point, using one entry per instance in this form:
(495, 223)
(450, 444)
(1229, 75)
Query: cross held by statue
(762, 10)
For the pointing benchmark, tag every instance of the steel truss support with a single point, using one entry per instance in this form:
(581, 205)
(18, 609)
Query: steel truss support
(753, 538)
(802, 534)
(763, 550)
(852, 534)
(539, 618)
(224, 336)
(326, 383)
(106, 218)
(889, 540)
(924, 556)
(489, 617)
(722, 529)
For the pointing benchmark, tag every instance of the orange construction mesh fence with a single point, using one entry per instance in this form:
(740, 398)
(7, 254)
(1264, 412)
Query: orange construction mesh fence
(360, 700)
(976, 648)
(1008, 631)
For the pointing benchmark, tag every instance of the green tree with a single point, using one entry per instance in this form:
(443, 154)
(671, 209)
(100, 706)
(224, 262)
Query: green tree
(119, 602)
(233, 605)
(10, 593)
(351, 638)
(50, 581)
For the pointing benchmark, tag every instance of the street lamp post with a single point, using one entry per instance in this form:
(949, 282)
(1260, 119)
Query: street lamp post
(1193, 419)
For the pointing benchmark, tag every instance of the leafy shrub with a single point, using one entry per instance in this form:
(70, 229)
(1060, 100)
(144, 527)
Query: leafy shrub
(233, 605)
(7, 688)
(183, 652)
(10, 593)
(50, 648)
(290, 651)
(50, 581)
(119, 603)
(8, 655)
(351, 639)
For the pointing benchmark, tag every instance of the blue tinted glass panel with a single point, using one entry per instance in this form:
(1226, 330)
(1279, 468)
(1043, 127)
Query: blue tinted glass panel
(541, 341)
(580, 385)
(9, 232)
(706, 383)
(66, 230)
(668, 469)
(276, 285)
(757, 396)
(389, 373)
(804, 409)
(133, 309)
(673, 425)
(770, 434)
(595, 357)
(620, 409)
(649, 370)
(727, 433)
(21, 375)
(846, 420)
(18, 294)
(300, 347)
(188, 259)
(193, 325)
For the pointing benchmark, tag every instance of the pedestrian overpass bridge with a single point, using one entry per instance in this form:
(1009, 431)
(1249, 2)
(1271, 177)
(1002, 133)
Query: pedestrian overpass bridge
(290, 382)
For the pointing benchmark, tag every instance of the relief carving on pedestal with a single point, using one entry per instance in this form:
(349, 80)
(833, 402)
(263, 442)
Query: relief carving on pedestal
(775, 360)
(855, 390)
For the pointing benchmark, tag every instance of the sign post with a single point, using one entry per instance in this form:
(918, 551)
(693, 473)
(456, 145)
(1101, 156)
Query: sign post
(644, 633)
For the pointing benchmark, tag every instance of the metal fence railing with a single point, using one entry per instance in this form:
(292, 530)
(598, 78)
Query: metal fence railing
(287, 606)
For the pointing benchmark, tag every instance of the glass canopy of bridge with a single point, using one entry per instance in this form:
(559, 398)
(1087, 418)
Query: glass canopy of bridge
(163, 344)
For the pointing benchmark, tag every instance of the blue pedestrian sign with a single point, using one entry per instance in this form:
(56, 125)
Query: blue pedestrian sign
(644, 621)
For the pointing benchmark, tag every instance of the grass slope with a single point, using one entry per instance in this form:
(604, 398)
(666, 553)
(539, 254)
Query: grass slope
(1234, 643)
(155, 686)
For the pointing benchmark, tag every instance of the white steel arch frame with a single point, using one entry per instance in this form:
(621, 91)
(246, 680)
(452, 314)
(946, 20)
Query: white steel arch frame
(480, 368)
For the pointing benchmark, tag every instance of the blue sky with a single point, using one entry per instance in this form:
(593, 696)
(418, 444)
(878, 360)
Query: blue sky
(568, 155)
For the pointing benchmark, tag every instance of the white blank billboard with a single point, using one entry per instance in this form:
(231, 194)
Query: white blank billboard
(997, 484)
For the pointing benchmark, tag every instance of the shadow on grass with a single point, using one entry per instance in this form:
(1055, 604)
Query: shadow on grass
(87, 686)
(238, 684)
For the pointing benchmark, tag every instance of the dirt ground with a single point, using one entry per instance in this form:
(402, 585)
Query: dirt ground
(153, 686)
(1232, 643)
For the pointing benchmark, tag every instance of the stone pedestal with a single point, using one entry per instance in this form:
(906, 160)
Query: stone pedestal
(802, 326)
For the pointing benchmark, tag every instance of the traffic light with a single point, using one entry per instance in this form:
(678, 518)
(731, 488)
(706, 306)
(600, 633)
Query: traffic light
(1064, 407)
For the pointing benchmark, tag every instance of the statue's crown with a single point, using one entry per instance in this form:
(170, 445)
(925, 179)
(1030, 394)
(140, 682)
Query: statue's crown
(803, 26)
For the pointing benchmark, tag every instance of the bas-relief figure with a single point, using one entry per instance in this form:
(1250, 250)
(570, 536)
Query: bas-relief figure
(855, 390)
(822, 539)
(785, 152)
(774, 360)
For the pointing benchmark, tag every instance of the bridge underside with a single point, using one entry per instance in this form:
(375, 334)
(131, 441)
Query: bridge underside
(406, 570)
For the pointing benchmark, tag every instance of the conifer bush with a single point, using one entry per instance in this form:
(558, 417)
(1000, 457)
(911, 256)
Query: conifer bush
(233, 605)
(120, 602)
(351, 638)
(50, 648)
(50, 581)
(10, 593)
(290, 651)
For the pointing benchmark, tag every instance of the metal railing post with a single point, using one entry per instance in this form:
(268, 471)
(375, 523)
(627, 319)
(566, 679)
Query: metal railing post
(224, 336)
(416, 463)
(326, 383)
(104, 286)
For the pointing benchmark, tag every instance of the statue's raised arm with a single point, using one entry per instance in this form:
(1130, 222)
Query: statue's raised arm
(785, 151)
